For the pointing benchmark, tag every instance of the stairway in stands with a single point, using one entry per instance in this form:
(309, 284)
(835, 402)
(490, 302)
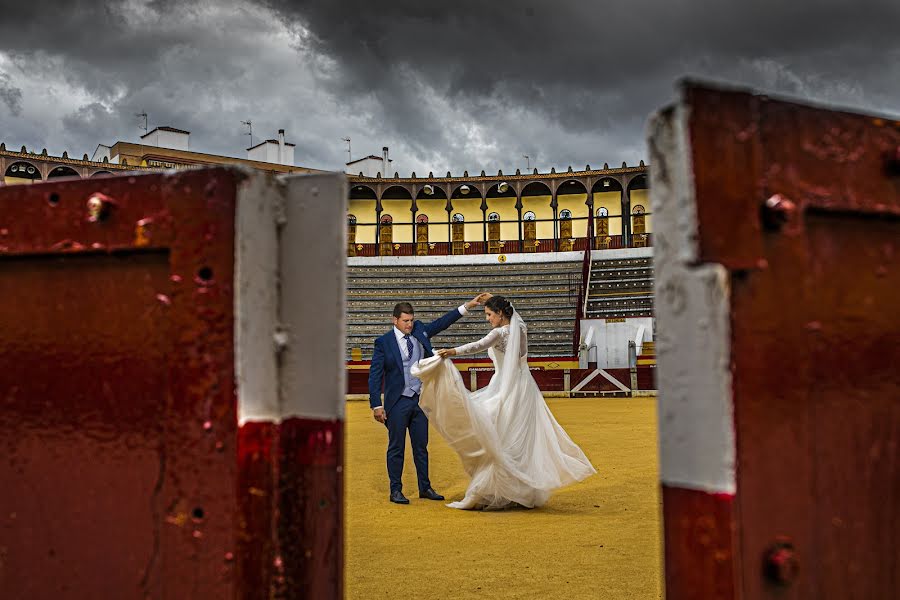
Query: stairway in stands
(621, 288)
(544, 293)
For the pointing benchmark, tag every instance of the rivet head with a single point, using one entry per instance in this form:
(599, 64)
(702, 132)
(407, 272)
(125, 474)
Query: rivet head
(777, 211)
(780, 565)
(98, 207)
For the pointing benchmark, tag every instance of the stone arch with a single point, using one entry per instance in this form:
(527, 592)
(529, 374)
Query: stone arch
(24, 171)
(62, 171)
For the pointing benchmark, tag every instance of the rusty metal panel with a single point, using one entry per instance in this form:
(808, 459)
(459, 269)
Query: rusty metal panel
(799, 207)
(172, 418)
(116, 373)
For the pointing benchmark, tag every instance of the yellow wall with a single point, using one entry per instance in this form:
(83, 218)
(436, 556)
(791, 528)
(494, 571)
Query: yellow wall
(18, 180)
(612, 201)
(576, 204)
(364, 211)
(437, 219)
(506, 208)
(401, 211)
(642, 197)
(470, 208)
(540, 206)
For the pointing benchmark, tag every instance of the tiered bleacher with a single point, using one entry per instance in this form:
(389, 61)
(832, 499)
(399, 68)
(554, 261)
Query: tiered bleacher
(620, 288)
(546, 294)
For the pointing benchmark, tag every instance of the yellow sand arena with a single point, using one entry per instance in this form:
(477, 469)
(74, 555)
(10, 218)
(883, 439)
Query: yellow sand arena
(595, 540)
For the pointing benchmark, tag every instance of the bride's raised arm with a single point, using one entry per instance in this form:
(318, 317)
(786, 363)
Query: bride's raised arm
(481, 345)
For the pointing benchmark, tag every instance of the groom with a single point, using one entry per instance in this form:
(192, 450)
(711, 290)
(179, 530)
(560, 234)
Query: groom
(395, 352)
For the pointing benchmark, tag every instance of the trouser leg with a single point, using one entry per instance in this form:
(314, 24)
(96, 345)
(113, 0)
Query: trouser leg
(418, 435)
(397, 422)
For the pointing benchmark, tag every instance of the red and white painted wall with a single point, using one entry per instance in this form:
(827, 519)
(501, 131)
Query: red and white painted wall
(171, 369)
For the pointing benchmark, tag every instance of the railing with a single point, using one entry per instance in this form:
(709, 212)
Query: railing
(482, 246)
(583, 289)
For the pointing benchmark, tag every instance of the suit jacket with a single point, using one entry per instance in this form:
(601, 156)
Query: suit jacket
(386, 370)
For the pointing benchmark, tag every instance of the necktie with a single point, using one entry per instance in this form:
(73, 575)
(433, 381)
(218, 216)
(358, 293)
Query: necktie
(408, 346)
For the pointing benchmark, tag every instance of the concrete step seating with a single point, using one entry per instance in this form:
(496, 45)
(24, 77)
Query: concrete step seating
(621, 288)
(544, 293)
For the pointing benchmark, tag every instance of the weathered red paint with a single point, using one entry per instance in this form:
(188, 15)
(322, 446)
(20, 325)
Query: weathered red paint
(257, 494)
(814, 294)
(126, 475)
(112, 357)
(700, 545)
(310, 505)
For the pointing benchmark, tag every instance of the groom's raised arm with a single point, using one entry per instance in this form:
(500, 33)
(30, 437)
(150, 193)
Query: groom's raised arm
(441, 323)
(376, 375)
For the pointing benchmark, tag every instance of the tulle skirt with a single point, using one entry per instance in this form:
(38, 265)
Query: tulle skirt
(508, 440)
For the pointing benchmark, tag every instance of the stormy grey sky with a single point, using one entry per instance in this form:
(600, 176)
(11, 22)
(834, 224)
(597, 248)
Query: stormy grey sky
(465, 85)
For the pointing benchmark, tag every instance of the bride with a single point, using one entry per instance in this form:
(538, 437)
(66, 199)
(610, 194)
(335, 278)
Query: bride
(510, 444)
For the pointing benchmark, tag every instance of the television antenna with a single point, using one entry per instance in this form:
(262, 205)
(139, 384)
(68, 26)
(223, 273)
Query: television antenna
(144, 115)
(249, 125)
(527, 162)
(349, 156)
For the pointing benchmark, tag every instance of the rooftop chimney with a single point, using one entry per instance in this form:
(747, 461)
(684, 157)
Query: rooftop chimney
(273, 151)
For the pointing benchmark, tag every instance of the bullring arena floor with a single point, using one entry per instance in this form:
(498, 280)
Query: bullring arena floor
(599, 539)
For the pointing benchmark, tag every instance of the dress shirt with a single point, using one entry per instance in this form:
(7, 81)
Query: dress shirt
(401, 337)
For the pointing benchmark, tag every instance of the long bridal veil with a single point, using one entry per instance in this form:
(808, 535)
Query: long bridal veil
(508, 440)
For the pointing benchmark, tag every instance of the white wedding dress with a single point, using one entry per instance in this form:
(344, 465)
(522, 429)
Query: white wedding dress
(507, 438)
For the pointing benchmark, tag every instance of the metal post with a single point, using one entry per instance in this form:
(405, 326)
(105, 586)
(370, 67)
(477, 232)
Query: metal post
(632, 364)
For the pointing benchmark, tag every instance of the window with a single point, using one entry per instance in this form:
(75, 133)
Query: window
(386, 219)
(529, 216)
(458, 218)
(422, 219)
(494, 216)
(351, 219)
(638, 210)
(602, 212)
(565, 214)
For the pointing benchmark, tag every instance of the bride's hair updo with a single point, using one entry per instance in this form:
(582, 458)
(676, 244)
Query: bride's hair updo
(499, 304)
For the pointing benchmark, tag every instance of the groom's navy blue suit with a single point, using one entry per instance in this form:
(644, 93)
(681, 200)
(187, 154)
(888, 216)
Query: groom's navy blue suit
(390, 371)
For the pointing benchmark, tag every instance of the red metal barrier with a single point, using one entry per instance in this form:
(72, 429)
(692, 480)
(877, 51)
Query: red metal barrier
(125, 472)
(776, 296)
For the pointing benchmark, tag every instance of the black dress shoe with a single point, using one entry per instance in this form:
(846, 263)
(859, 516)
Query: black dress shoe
(398, 498)
(430, 494)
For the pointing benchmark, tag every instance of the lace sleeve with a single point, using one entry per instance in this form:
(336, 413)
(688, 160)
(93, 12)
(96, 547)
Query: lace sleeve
(481, 345)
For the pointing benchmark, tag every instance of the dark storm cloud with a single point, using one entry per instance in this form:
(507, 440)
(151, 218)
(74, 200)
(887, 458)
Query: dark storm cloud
(86, 68)
(10, 95)
(448, 86)
(593, 67)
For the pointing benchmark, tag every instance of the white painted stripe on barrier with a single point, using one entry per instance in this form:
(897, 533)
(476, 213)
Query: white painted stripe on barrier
(313, 288)
(289, 297)
(256, 298)
(696, 421)
(492, 259)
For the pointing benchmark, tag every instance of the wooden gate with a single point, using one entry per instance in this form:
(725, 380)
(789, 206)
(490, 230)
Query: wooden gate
(422, 235)
(386, 235)
(457, 235)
